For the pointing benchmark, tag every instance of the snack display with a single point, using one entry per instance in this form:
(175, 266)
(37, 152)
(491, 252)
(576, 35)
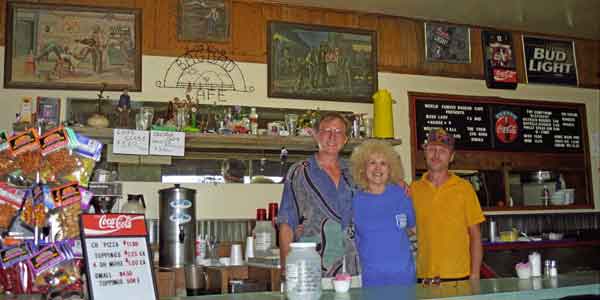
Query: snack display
(44, 205)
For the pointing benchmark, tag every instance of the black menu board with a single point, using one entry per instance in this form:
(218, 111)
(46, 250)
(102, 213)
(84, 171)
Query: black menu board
(510, 127)
(467, 122)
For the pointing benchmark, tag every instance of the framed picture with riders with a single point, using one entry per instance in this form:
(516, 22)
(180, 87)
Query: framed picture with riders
(72, 47)
(321, 62)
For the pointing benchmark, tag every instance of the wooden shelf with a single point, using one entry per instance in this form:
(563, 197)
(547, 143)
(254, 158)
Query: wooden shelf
(234, 141)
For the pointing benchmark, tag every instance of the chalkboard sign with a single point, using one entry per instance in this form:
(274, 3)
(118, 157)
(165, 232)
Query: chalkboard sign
(117, 257)
(129, 141)
(467, 122)
(490, 125)
(167, 143)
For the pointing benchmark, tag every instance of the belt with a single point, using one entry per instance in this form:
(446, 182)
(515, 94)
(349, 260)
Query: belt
(438, 280)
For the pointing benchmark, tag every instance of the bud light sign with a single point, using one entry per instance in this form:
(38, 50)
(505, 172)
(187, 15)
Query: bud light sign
(550, 61)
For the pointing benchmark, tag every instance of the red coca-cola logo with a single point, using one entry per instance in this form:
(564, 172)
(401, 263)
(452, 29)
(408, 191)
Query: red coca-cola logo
(120, 222)
(507, 128)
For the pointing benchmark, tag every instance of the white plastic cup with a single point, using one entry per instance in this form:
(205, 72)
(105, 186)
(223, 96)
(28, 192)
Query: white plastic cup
(249, 247)
(236, 258)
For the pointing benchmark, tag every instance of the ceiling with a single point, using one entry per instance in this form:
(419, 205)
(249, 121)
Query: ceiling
(572, 18)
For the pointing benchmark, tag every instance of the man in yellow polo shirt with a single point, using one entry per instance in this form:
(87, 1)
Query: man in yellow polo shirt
(448, 216)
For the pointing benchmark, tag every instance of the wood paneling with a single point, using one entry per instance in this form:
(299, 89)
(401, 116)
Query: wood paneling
(400, 40)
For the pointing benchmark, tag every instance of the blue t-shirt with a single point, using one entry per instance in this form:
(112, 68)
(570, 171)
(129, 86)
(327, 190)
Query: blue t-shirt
(381, 223)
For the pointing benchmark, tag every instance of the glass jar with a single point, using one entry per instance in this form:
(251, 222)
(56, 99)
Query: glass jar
(303, 272)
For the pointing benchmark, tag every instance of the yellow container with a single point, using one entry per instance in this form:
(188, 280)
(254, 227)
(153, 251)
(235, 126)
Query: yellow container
(383, 122)
(508, 236)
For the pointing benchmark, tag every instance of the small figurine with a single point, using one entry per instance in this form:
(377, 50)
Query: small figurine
(124, 108)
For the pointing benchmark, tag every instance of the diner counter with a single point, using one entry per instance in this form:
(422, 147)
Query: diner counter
(497, 289)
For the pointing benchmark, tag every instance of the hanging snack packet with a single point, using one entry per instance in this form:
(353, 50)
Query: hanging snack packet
(9, 256)
(7, 162)
(10, 201)
(67, 200)
(84, 145)
(61, 274)
(58, 159)
(25, 148)
(33, 212)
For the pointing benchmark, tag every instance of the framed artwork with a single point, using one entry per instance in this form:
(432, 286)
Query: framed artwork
(447, 43)
(48, 110)
(72, 47)
(204, 21)
(321, 63)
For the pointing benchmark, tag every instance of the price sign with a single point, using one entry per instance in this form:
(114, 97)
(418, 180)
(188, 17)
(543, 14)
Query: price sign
(129, 141)
(117, 255)
(167, 143)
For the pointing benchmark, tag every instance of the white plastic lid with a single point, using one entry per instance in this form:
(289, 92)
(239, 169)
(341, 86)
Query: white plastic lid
(303, 245)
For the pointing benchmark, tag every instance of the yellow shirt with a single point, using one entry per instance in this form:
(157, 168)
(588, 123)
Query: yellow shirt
(443, 216)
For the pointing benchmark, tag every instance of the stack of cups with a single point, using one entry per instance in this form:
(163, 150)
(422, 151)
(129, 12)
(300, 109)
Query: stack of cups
(249, 247)
(236, 258)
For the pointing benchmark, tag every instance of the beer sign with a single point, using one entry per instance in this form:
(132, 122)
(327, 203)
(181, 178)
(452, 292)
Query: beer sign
(550, 61)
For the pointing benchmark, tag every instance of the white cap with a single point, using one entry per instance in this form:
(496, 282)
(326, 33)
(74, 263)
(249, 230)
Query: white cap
(303, 245)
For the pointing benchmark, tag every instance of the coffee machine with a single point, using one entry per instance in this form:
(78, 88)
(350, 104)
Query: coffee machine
(106, 191)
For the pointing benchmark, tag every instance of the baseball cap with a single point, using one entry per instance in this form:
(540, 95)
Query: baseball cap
(439, 136)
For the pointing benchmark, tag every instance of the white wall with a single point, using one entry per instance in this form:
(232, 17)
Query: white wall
(240, 201)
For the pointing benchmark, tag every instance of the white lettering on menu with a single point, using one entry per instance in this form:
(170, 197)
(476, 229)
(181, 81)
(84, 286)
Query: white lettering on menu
(120, 222)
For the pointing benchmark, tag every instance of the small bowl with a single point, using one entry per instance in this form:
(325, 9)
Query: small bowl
(341, 286)
(523, 271)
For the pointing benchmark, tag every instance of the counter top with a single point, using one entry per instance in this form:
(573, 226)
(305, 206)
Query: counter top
(497, 289)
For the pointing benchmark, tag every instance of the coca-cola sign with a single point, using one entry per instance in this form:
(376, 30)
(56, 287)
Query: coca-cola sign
(113, 225)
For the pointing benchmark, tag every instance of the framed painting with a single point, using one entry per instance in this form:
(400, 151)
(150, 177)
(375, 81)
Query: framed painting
(321, 63)
(48, 110)
(203, 21)
(447, 43)
(72, 47)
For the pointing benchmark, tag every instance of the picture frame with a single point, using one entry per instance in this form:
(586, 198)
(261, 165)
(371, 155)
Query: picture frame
(72, 47)
(445, 43)
(206, 21)
(47, 110)
(316, 62)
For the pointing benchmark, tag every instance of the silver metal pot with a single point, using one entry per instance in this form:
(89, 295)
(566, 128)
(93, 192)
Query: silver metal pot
(177, 227)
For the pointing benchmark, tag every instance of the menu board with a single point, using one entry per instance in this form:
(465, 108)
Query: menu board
(510, 127)
(117, 255)
(467, 122)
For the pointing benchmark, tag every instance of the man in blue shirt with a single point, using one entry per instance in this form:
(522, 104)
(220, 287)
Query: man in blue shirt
(317, 195)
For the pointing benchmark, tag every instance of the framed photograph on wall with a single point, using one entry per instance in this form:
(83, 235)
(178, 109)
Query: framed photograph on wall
(321, 62)
(203, 21)
(447, 43)
(72, 47)
(48, 110)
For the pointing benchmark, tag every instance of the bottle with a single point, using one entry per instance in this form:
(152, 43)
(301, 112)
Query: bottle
(553, 268)
(303, 272)
(200, 248)
(492, 231)
(134, 205)
(273, 208)
(264, 238)
(253, 121)
(546, 196)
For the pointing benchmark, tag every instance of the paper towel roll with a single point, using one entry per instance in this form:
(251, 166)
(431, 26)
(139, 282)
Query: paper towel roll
(383, 124)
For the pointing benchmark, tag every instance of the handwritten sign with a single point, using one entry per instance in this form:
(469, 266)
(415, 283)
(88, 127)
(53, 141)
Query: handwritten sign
(129, 141)
(117, 255)
(167, 143)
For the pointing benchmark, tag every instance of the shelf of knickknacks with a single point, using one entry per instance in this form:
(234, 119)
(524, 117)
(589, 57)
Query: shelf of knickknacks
(236, 141)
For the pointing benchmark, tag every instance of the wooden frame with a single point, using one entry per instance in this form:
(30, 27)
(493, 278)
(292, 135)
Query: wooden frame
(72, 47)
(321, 62)
(446, 43)
(209, 21)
